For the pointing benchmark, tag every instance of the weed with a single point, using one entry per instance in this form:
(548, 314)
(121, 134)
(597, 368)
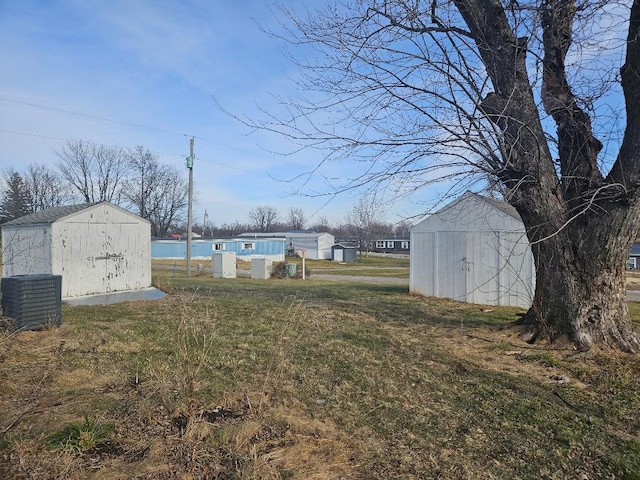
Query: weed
(193, 347)
(502, 347)
(626, 460)
(546, 359)
(80, 436)
(314, 379)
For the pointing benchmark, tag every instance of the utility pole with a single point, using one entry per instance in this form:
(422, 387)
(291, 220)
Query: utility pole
(190, 159)
(204, 222)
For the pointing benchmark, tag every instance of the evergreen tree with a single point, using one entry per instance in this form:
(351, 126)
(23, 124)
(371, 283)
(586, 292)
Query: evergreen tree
(16, 201)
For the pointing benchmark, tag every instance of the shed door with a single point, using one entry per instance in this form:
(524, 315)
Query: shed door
(338, 254)
(122, 259)
(82, 271)
(93, 260)
(482, 268)
(453, 265)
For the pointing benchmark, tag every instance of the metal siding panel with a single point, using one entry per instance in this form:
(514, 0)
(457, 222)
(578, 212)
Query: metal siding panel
(128, 262)
(168, 249)
(200, 249)
(26, 250)
(308, 244)
(423, 264)
(203, 249)
(518, 271)
(325, 242)
(415, 270)
(482, 277)
(80, 244)
(451, 270)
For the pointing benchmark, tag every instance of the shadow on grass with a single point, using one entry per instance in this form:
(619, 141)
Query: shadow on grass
(388, 303)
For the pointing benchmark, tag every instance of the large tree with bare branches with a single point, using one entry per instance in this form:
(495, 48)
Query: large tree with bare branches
(541, 96)
(263, 218)
(154, 191)
(94, 172)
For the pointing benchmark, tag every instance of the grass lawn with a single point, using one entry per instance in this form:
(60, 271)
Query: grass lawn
(285, 379)
(371, 266)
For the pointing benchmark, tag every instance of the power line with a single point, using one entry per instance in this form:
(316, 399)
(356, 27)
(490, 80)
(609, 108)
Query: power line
(167, 154)
(135, 125)
(48, 137)
(33, 135)
(129, 124)
(95, 117)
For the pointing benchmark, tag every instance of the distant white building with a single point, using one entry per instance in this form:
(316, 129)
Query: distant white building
(473, 250)
(316, 246)
(97, 248)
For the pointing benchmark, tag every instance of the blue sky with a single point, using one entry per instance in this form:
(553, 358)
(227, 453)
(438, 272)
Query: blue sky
(153, 67)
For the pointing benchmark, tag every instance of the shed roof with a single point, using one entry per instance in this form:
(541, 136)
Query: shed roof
(343, 245)
(49, 215)
(289, 234)
(53, 214)
(472, 212)
(499, 204)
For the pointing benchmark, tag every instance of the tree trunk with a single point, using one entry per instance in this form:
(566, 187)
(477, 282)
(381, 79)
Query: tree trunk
(581, 225)
(580, 284)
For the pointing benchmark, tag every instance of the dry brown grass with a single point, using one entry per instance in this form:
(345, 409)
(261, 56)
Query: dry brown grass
(633, 280)
(315, 380)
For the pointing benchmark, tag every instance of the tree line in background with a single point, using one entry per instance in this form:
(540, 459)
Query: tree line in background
(86, 172)
(135, 180)
(361, 225)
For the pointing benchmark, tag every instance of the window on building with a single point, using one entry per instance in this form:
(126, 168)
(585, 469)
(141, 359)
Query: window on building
(379, 244)
(248, 246)
(390, 244)
(219, 246)
(404, 245)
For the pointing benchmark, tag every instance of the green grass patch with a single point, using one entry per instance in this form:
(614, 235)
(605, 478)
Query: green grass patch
(80, 436)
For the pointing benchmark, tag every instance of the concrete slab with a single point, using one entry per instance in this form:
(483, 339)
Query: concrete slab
(116, 297)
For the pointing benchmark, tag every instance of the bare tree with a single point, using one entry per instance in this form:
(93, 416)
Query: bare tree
(230, 229)
(45, 187)
(154, 191)
(296, 218)
(139, 189)
(94, 171)
(263, 218)
(362, 223)
(402, 229)
(321, 225)
(459, 90)
(169, 202)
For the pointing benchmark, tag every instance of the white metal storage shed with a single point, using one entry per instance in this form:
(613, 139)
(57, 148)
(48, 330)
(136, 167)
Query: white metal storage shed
(98, 248)
(473, 250)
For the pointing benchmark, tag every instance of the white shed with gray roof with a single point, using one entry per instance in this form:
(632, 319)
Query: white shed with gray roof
(473, 250)
(98, 248)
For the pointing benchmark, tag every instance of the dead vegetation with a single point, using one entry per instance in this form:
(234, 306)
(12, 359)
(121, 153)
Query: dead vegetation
(310, 380)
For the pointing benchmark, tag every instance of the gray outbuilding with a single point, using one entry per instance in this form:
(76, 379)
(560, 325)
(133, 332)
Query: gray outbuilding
(473, 250)
(97, 248)
(343, 252)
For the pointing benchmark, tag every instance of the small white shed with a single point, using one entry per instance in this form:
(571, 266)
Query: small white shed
(98, 248)
(473, 250)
